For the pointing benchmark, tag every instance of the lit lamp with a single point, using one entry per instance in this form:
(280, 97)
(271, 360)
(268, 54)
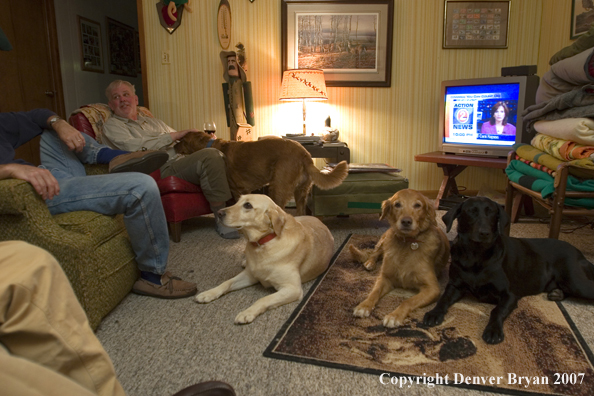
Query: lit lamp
(303, 84)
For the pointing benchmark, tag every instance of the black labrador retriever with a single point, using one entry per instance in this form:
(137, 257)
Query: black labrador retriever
(500, 270)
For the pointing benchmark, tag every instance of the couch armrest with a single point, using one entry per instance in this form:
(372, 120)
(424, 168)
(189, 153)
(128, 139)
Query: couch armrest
(8, 204)
(25, 216)
(96, 169)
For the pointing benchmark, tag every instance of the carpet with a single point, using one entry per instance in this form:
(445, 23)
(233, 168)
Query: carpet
(543, 352)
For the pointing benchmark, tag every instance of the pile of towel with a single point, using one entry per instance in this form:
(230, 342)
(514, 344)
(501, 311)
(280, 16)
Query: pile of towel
(562, 122)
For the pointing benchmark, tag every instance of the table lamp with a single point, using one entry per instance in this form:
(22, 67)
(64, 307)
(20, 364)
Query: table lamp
(303, 84)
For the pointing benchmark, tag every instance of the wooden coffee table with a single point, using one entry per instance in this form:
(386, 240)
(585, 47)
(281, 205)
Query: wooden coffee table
(452, 165)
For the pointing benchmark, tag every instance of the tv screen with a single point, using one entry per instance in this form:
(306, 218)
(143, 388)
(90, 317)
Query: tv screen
(484, 116)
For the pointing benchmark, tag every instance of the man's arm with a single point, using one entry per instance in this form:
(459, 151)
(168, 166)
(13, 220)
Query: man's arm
(131, 137)
(69, 135)
(17, 129)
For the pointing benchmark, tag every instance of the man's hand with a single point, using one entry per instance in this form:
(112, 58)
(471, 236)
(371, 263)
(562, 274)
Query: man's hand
(69, 135)
(42, 180)
(180, 134)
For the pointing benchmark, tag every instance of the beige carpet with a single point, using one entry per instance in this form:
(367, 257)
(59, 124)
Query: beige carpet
(539, 341)
(160, 346)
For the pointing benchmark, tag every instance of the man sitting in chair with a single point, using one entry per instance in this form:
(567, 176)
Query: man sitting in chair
(62, 182)
(129, 130)
(64, 185)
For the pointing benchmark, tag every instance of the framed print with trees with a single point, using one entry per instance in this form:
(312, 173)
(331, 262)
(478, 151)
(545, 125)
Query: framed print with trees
(350, 40)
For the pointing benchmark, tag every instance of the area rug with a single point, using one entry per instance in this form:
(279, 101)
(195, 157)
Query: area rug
(543, 353)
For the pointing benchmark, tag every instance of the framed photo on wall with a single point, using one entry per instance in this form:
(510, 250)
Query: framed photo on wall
(122, 48)
(476, 24)
(350, 40)
(91, 48)
(582, 16)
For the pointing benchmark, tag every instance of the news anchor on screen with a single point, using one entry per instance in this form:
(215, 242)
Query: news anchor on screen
(498, 124)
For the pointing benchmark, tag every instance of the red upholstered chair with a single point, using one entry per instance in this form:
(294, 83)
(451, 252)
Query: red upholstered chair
(181, 200)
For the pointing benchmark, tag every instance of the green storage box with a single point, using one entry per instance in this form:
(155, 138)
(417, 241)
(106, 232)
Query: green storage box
(359, 193)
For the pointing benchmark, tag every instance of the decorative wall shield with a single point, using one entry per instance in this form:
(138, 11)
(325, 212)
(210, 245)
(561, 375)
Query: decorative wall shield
(169, 24)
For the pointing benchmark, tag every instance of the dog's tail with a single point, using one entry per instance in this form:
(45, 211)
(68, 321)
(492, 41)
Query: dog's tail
(360, 255)
(328, 180)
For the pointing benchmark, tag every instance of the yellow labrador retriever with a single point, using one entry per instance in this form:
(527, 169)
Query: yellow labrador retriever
(414, 252)
(282, 251)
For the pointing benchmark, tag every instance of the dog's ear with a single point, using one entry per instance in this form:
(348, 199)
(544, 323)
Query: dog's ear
(277, 218)
(503, 221)
(386, 208)
(192, 142)
(452, 214)
(430, 208)
(182, 147)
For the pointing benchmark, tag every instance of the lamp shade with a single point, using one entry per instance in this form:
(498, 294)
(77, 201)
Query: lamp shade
(303, 84)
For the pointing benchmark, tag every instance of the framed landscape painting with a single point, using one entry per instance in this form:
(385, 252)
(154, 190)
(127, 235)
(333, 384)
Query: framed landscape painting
(350, 40)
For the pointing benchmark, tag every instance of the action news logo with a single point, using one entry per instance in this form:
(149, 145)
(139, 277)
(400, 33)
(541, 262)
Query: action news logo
(463, 116)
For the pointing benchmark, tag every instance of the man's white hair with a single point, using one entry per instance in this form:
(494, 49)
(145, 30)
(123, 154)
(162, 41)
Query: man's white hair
(115, 84)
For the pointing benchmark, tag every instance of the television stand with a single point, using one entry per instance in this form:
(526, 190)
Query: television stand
(452, 165)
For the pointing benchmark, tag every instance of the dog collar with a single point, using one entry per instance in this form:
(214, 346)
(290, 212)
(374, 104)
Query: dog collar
(210, 142)
(264, 239)
(414, 243)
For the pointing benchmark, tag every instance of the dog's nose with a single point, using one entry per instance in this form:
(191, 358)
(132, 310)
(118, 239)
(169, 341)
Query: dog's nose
(221, 213)
(484, 233)
(406, 221)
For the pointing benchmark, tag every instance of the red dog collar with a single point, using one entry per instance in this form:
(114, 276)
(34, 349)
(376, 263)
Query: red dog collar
(264, 239)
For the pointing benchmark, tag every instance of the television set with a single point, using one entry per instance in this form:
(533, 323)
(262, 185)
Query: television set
(483, 116)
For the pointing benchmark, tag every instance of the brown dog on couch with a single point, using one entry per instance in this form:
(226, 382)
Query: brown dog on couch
(283, 164)
(414, 250)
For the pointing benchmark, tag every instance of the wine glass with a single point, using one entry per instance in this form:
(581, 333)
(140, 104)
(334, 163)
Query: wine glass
(210, 127)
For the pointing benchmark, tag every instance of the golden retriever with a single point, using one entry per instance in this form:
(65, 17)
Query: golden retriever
(282, 251)
(415, 251)
(283, 164)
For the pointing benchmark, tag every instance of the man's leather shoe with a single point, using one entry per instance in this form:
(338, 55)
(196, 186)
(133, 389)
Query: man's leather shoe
(210, 388)
(170, 287)
(146, 161)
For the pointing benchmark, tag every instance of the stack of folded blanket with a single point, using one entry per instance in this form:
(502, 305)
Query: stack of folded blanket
(562, 122)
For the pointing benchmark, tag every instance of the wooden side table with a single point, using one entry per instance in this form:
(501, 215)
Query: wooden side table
(452, 165)
(339, 153)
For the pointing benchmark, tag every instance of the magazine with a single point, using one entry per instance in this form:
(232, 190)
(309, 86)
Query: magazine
(361, 168)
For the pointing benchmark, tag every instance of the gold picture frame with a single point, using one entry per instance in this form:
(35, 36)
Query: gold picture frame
(476, 24)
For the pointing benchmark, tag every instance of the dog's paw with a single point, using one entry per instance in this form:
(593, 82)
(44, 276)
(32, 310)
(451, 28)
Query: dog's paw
(362, 311)
(245, 317)
(556, 295)
(392, 321)
(369, 265)
(206, 297)
(493, 334)
(433, 318)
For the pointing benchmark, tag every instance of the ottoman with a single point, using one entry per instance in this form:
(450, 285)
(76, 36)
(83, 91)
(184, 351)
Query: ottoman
(359, 193)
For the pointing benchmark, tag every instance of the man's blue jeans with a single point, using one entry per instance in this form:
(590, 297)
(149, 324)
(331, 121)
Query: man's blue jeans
(136, 195)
